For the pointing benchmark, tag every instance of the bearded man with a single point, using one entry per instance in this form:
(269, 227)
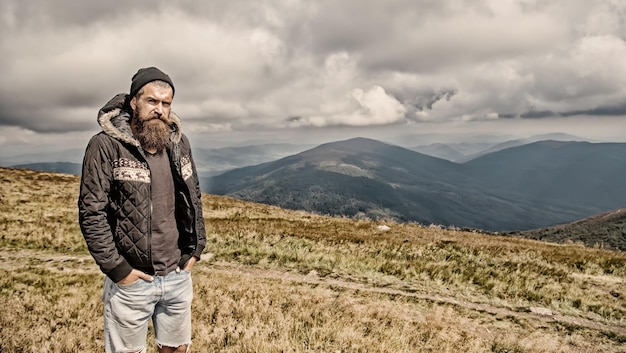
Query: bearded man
(140, 213)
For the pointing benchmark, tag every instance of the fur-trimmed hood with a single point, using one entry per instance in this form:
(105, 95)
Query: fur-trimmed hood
(115, 121)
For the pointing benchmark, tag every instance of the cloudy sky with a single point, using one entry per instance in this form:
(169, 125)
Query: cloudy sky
(290, 70)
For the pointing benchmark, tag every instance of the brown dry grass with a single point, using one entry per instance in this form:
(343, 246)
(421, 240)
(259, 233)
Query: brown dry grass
(285, 281)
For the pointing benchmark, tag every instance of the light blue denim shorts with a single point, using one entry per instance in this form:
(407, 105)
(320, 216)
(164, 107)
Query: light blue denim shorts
(128, 309)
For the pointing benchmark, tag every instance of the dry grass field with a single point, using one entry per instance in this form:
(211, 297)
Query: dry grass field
(273, 280)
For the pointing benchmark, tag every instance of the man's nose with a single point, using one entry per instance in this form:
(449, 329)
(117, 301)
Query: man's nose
(159, 109)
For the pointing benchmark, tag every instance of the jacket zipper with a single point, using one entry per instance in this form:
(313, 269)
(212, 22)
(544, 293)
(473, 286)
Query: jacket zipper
(150, 260)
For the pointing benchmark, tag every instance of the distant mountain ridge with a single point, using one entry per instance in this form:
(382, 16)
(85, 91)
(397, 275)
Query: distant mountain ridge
(497, 192)
(209, 161)
(464, 151)
(74, 155)
(59, 167)
(606, 230)
(584, 177)
(212, 161)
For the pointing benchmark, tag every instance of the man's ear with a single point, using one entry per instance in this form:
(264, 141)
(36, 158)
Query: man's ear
(133, 103)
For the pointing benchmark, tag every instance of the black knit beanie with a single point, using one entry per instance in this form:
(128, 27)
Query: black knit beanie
(147, 75)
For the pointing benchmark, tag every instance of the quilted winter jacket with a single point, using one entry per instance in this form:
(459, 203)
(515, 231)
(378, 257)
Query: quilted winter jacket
(115, 204)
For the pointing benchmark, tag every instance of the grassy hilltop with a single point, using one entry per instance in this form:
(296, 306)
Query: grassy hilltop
(273, 280)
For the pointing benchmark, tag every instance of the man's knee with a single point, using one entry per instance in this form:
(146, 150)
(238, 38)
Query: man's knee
(180, 349)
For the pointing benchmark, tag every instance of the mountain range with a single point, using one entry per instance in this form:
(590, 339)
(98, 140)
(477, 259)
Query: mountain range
(209, 161)
(213, 161)
(515, 185)
(217, 160)
(526, 187)
(464, 151)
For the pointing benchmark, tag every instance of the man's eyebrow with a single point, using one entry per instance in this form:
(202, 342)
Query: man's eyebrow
(150, 97)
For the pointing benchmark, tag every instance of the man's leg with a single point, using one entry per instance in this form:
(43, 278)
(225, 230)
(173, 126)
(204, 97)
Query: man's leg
(172, 315)
(127, 311)
(181, 349)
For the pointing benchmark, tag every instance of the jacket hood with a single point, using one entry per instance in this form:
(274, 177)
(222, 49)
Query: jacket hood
(114, 119)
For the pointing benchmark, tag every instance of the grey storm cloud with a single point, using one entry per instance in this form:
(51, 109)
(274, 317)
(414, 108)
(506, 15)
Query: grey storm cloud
(242, 65)
(614, 110)
(608, 110)
(426, 102)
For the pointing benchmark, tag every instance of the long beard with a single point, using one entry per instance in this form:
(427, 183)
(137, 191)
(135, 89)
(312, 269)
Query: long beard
(152, 134)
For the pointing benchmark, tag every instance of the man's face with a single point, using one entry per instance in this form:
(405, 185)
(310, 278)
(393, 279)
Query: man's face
(151, 116)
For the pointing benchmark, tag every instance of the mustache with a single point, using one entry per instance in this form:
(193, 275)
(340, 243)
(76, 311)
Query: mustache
(162, 118)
